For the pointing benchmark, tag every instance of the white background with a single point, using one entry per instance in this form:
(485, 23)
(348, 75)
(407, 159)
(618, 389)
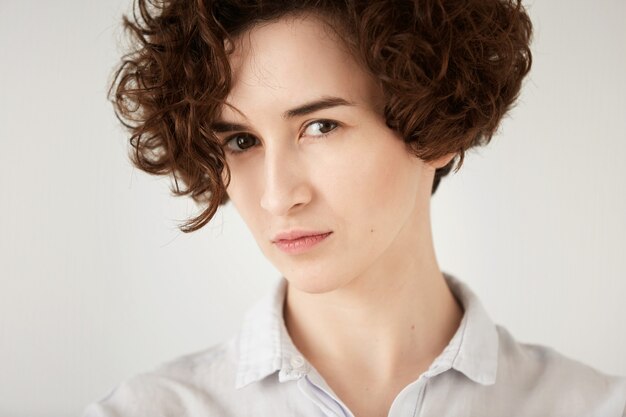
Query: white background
(97, 284)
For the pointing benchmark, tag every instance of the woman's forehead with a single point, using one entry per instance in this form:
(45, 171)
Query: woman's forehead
(292, 60)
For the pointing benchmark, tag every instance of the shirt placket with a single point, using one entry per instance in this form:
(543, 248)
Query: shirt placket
(315, 389)
(408, 403)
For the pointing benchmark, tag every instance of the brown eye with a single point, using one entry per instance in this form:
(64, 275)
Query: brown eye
(240, 143)
(324, 127)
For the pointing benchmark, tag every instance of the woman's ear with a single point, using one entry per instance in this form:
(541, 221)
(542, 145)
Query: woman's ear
(442, 161)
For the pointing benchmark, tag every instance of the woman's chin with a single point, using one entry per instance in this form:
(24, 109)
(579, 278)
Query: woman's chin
(313, 284)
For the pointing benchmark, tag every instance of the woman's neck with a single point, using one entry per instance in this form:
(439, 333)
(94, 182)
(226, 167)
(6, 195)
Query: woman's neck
(394, 319)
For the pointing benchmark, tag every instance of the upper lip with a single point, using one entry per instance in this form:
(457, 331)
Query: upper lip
(296, 234)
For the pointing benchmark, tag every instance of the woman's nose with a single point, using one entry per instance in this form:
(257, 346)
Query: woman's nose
(286, 185)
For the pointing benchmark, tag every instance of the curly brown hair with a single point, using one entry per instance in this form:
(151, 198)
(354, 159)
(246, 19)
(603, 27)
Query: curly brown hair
(449, 69)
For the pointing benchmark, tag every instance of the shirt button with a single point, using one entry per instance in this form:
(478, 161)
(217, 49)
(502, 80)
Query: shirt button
(297, 362)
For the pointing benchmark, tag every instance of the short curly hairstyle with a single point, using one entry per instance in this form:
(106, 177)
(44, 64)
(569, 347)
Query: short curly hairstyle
(449, 70)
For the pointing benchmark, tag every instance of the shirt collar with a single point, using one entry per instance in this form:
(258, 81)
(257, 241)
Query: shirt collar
(473, 350)
(264, 346)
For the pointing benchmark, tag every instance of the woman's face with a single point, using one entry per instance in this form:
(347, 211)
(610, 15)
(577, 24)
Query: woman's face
(334, 168)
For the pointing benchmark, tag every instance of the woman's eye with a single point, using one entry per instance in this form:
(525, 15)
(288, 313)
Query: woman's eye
(322, 126)
(240, 142)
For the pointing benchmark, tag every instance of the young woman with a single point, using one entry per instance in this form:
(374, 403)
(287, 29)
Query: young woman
(329, 125)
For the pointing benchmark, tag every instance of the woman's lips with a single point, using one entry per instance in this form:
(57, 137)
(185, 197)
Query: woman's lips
(300, 245)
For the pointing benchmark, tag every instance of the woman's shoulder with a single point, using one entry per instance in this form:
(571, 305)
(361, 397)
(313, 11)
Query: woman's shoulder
(540, 359)
(214, 360)
(544, 374)
(189, 382)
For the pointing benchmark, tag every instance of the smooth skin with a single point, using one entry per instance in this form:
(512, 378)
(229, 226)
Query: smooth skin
(368, 307)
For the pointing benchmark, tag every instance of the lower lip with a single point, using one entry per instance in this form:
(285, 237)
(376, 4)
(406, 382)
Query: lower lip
(301, 245)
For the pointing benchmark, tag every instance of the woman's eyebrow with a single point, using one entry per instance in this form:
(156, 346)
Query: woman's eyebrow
(220, 126)
(323, 103)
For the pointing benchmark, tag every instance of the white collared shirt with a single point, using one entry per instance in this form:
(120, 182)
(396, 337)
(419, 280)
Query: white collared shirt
(483, 372)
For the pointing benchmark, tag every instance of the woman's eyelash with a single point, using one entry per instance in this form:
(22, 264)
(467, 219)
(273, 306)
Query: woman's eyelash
(232, 138)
